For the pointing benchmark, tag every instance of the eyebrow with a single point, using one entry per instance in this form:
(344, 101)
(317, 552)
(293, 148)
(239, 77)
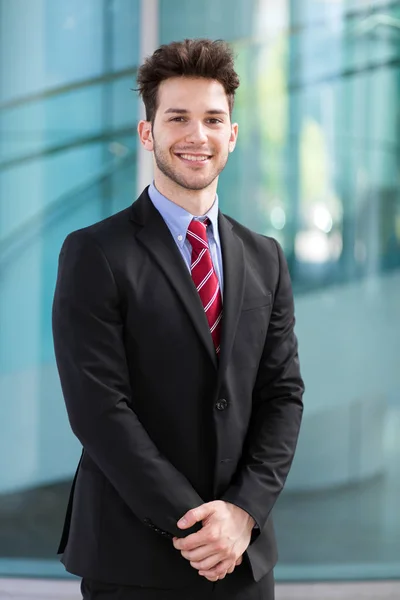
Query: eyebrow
(183, 111)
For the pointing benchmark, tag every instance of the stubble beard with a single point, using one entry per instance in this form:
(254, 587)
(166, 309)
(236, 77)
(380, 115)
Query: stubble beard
(189, 183)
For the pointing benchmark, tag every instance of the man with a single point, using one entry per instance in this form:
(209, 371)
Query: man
(173, 330)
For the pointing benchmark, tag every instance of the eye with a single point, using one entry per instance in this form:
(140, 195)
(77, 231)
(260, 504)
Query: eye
(178, 119)
(214, 121)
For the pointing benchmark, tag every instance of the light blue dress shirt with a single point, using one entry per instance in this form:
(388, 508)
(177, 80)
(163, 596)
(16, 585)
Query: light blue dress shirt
(178, 219)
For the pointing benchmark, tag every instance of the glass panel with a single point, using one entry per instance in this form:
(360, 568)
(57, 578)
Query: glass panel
(63, 41)
(67, 159)
(125, 25)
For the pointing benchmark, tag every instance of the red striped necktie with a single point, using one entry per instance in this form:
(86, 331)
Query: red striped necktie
(205, 278)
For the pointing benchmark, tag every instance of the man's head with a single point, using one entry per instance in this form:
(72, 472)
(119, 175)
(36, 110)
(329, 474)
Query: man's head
(188, 91)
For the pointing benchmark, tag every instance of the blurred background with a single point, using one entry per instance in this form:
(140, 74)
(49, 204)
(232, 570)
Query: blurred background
(317, 166)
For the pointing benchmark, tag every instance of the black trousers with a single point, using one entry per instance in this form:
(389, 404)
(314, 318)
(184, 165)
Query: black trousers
(239, 585)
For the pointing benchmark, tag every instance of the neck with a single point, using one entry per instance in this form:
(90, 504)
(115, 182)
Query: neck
(196, 202)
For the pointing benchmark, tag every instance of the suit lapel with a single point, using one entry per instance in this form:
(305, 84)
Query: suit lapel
(234, 282)
(157, 239)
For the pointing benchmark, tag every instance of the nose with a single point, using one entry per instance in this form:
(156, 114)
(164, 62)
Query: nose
(196, 133)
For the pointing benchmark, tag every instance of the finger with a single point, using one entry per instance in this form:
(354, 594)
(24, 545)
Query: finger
(205, 565)
(198, 554)
(195, 515)
(205, 537)
(211, 578)
(231, 569)
(239, 561)
(219, 570)
(191, 542)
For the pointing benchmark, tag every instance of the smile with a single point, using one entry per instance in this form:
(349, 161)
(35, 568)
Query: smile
(195, 158)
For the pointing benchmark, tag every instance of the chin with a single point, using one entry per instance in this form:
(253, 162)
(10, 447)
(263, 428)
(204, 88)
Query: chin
(195, 184)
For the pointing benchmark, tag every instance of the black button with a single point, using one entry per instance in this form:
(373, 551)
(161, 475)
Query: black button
(221, 404)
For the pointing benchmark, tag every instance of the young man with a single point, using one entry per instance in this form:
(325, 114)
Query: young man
(173, 330)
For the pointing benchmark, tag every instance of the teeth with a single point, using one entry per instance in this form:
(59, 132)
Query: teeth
(194, 158)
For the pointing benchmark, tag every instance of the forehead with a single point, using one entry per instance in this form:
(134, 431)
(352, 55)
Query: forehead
(192, 94)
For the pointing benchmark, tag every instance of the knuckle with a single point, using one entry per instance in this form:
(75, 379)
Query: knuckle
(221, 569)
(193, 515)
(225, 551)
(221, 572)
(213, 536)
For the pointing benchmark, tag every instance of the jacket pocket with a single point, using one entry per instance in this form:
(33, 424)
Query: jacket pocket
(257, 302)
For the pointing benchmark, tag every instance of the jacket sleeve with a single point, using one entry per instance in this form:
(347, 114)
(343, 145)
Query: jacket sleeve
(277, 411)
(91, 360)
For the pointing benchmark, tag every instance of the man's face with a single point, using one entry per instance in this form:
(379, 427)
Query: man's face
(192, 133)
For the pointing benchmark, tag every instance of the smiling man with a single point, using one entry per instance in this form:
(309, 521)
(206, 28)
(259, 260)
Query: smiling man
(173, 331)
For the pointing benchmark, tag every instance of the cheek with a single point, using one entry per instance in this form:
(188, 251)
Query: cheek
(227, 139)
(171, 141)
(163, 144)
(224, 147)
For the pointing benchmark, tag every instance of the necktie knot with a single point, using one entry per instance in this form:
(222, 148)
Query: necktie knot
(197, 235)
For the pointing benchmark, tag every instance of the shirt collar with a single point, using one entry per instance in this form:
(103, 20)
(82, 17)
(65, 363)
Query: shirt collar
(178, 219)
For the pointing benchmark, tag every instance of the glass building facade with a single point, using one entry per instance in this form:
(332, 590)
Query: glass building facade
(316, 166)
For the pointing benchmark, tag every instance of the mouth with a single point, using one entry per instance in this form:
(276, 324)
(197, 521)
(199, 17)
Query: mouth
(194, 159)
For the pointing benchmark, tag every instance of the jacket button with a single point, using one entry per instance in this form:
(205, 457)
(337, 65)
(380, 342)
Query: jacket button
(221, 404)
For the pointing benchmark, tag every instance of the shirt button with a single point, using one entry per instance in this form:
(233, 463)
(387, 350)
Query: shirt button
(180, 238)
(221, 404)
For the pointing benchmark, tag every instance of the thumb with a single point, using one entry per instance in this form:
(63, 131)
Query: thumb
(195, 515)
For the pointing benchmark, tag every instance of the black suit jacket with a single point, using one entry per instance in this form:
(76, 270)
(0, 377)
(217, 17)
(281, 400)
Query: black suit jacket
(163, 426)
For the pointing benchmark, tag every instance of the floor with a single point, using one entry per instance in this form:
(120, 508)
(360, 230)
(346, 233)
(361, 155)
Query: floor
(14, 589)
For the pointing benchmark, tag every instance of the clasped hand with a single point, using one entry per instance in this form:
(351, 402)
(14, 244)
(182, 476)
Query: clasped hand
(218, 547)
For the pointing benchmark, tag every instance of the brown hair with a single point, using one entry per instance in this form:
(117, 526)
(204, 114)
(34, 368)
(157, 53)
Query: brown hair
(189, 58)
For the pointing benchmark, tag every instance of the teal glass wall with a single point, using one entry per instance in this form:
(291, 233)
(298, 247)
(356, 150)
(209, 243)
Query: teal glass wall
(67, 159)
(316, 166)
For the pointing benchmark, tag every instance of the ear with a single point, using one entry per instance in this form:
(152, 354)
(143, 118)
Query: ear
(233, 138)
(145, 135)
